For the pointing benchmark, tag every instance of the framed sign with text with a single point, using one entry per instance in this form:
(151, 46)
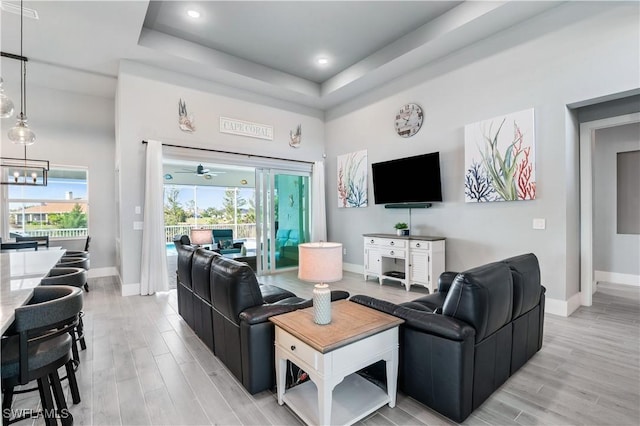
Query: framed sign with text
(246, 128)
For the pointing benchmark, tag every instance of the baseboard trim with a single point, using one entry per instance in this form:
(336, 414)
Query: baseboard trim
(353, 267)
(130, 289)
(108, 271)
(617, 278)
(562, 308)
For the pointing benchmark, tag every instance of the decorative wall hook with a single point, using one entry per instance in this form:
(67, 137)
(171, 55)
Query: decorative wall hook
(184, 120)
(295, 137)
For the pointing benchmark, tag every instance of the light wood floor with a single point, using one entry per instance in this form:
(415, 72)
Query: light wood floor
(144, 365)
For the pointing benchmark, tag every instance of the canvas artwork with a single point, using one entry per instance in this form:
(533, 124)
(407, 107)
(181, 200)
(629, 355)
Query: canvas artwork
(500, 159)
(352, 179)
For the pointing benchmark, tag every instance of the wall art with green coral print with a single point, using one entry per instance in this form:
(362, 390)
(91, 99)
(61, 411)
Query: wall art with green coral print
(352, 179)
(500, 159)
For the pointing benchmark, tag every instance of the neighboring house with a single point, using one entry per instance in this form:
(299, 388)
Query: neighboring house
(41, 213)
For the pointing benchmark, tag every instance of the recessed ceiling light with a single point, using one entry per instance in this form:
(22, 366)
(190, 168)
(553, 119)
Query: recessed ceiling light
(322, 61)
(193, 14)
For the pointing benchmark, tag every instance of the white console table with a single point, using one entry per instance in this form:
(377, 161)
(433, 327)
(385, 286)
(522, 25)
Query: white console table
(410, 260)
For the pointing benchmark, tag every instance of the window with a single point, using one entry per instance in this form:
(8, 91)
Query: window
(59, 210)
(210, 207)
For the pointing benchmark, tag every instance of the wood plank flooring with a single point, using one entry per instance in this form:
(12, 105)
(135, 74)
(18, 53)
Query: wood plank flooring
(143, 365)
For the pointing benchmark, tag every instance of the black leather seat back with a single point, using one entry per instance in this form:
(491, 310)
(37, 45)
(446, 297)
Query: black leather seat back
(525, 272)
(185, 258)
(528, 308)
(200, 273)
(482, 297)
(234, 287)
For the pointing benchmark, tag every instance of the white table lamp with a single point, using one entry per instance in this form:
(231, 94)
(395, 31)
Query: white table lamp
(320, 263)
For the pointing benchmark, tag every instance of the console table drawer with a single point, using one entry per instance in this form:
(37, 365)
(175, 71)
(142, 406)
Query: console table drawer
(392, 243)
(370, 242)
(420, 245)
(398, 254)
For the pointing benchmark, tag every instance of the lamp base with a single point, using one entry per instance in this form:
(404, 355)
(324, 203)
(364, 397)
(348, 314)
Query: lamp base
(321, 304)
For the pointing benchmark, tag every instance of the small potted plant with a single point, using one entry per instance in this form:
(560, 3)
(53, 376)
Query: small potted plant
(401, 228)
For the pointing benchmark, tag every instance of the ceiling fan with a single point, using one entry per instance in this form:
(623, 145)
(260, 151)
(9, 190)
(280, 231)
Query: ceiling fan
(201, 171)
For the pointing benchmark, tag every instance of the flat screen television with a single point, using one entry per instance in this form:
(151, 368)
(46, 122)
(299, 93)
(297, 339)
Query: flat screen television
(407, 180)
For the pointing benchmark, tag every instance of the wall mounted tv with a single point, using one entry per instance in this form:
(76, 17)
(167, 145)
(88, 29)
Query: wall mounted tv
(407, 180)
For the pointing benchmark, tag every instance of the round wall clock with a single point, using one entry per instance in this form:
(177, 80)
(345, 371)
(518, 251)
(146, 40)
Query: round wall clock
(409, 120)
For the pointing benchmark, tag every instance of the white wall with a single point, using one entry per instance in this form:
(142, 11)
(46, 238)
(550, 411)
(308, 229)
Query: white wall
(589, 50)
(612, 252)
(147, 108)
(76, 130)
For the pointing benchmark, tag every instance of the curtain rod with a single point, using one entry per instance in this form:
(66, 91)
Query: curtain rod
(13, 56)
(234, 153)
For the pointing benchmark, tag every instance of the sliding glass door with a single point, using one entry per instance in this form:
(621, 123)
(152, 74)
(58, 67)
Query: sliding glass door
(283, 217)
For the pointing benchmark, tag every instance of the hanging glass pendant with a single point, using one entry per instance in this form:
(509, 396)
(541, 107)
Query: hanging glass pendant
(21, 133)
(6, 105)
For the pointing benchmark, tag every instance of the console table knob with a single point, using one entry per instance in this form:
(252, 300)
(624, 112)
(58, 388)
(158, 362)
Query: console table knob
(417, 244)
(293, 347)
(391, 243)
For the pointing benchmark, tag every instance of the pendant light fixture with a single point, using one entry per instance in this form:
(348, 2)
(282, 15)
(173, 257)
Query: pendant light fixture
(21, 171)
(21, 133)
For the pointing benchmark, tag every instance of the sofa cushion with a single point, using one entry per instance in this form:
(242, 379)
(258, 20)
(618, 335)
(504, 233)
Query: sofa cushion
(525, 272)
(482, 297)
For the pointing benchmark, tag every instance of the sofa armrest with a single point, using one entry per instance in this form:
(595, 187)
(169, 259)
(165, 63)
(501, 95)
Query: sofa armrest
(445, 280)
(258, 314)
(339, 295)
(377, 304)
(435, 324)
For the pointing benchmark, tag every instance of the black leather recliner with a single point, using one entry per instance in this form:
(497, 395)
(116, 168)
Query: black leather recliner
(222, 301)
(491, 323)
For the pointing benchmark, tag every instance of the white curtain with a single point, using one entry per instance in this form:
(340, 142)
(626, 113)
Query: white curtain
(318, 210)
(153, 275)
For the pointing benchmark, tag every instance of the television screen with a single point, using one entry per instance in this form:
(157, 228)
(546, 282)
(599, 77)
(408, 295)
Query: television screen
(407, 180)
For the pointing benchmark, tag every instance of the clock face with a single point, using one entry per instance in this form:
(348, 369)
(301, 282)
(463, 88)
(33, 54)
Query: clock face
(409, 120)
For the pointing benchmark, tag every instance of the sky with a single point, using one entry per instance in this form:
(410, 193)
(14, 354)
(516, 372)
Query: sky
(56, 189)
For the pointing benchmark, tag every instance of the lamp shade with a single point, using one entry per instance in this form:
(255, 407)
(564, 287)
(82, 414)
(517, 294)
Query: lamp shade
(201, 236)
(320, 262)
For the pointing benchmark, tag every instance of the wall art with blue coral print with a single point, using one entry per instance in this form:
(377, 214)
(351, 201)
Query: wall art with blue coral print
(500, 159)
(352, 179)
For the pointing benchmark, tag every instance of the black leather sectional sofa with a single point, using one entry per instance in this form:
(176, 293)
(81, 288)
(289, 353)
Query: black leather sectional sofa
(222, 301)
(459, 345)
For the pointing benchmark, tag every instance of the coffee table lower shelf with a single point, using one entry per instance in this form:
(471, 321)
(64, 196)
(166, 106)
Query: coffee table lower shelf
(353, 399)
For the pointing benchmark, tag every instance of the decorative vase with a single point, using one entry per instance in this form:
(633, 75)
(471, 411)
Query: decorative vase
(399, 232)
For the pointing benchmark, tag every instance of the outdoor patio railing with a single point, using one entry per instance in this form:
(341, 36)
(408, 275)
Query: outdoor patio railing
(240, 230)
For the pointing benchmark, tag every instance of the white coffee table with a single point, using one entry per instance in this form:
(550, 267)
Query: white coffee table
(330, 354)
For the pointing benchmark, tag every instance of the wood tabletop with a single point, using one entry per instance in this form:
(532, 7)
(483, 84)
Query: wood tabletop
(350, 322)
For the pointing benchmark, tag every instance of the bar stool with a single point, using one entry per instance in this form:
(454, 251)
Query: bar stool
(75, 262)
(77, 253)
(74, 277)
(37, 345)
